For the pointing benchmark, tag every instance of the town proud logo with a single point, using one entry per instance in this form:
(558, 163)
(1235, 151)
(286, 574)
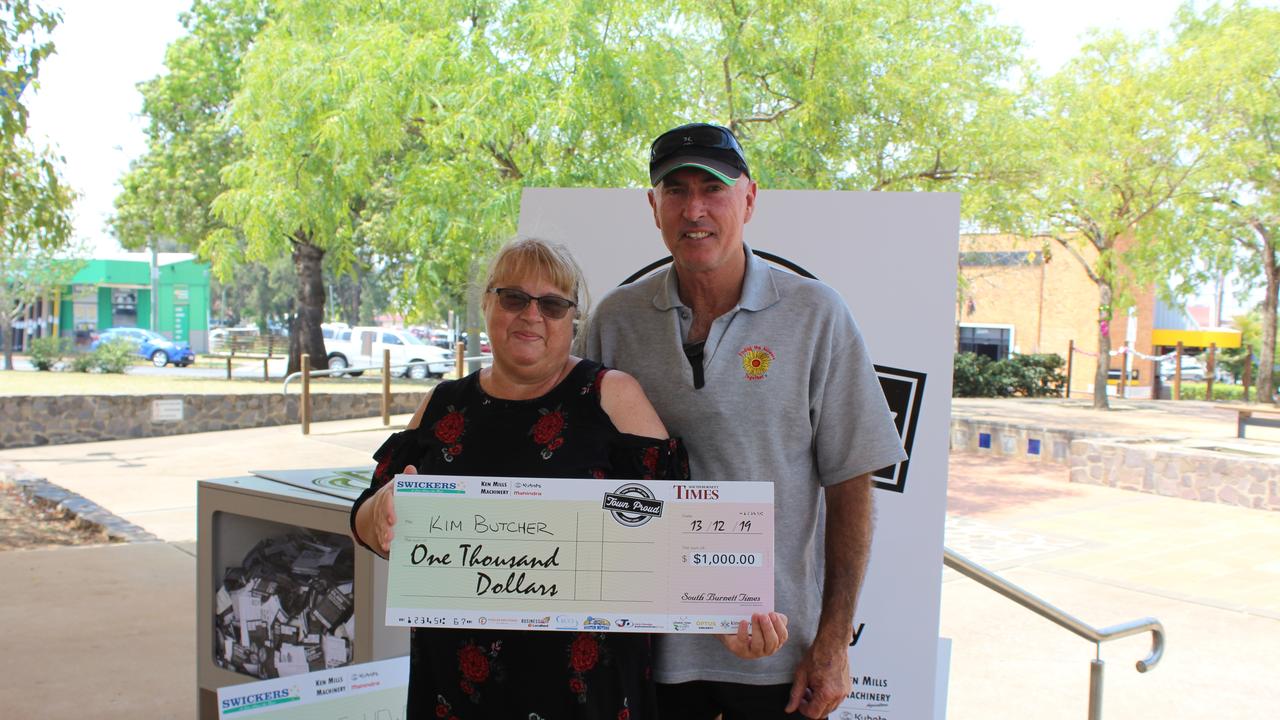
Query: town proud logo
(632, 505)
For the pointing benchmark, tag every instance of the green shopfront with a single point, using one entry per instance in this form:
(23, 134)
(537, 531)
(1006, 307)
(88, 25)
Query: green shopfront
(116, 292)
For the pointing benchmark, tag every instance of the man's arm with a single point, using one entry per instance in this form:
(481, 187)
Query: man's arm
(822, 677)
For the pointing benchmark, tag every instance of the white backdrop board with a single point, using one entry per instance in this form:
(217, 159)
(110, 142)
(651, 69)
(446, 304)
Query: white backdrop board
(892, 256)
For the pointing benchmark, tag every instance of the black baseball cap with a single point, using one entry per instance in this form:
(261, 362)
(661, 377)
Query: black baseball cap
(699, 145)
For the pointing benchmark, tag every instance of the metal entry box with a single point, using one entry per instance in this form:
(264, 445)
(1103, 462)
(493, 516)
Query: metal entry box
(237, 519)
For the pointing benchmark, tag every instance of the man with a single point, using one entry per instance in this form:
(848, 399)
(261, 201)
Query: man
(766, 377)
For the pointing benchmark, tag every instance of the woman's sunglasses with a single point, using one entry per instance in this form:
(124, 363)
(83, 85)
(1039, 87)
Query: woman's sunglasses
(551, 306)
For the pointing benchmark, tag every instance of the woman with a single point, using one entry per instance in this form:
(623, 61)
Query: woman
(537, 412)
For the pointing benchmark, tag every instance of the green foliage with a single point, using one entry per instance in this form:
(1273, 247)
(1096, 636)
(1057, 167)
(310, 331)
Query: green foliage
(1230, 57)
(1018, 375)
(114, 356)
(83, 362)
(109, 357)
(35, 205)
(1224, 392)
(168, 191)
(1039, 375)
(974, 376)
(400, 134)
(1120, 149)
(46, 352)
(25, 29)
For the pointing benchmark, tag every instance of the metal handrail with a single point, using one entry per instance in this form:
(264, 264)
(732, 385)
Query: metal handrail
(1028, 600)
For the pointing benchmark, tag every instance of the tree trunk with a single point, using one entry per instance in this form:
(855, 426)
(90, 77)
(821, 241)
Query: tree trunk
(304, 332)
(353, 310)
(6, 340)
(1104, 348)
(1266, 353)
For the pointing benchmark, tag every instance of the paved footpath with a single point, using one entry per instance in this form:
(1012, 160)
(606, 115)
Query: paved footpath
(109, 631)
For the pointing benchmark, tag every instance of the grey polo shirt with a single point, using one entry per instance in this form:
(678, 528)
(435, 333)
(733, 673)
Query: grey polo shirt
(790, 396)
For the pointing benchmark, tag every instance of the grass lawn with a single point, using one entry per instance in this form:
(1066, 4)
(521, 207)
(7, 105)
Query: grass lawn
(15, 382)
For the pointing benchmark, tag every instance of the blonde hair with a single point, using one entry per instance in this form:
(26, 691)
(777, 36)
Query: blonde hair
(531, 258)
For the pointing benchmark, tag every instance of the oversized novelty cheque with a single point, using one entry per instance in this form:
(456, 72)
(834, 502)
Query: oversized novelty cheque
(580, 554)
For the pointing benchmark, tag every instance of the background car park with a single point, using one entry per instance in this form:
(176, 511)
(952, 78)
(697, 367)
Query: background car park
(363, 346)
(1192, 369)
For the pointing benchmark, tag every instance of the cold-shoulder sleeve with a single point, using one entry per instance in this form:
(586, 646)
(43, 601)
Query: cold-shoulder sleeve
(400, 450)
(642, 458)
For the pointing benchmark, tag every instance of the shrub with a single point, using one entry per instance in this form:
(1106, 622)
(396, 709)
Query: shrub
(968, 371)
(47, 351)
(83, 362)
(1025, 375)
(1038, 375)
(114, 356)
(1221, 391)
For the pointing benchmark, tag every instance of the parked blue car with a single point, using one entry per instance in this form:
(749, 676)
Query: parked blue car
(157, 348)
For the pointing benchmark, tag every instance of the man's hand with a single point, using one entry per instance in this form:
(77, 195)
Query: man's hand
(760, 638)
(822, 677)
(822, 682)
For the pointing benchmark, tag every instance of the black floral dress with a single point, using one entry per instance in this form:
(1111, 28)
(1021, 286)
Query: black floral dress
(530, 675)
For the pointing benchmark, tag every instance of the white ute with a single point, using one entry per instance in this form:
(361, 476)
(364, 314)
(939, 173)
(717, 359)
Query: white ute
(362, 347)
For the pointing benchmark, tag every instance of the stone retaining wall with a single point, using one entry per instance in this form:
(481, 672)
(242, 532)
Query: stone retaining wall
(1028, 443)
(52, 420)
(1190, 473)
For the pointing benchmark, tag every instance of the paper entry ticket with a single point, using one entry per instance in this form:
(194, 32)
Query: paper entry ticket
(569, 554)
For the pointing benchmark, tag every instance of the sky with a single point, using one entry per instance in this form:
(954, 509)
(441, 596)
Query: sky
(87, 106)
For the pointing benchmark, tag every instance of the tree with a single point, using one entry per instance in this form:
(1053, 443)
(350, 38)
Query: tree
(1231, 53)
(35, 229)
(167, 192)
(405, 130)
(1120, 152)
(24, 45)
(35, 205)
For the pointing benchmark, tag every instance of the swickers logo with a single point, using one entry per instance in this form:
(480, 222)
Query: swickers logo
(453, 487)
(756, 360)
(260, 700)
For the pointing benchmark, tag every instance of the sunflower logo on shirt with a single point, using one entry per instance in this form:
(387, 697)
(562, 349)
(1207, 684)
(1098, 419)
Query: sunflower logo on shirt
(756, 360)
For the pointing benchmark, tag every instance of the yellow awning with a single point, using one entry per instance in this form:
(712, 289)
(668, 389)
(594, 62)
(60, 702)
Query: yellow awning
(1197, 338)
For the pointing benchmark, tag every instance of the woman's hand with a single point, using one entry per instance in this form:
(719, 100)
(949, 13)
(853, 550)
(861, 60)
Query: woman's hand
(381, 516)
(760, 638)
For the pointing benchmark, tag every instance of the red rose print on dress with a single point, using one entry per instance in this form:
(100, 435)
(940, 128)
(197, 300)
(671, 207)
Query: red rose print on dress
(449, 430)
(379, 473)
(473, 663)
(650, 462)
(546, 431)
(584, 653)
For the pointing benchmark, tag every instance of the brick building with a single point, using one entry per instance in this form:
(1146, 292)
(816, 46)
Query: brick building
(1029, 295)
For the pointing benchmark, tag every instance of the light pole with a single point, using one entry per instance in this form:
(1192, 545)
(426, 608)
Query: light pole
(155, 287)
